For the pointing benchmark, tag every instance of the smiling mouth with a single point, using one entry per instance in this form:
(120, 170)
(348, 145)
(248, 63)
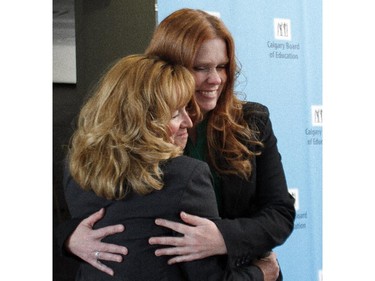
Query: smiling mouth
(208, 94)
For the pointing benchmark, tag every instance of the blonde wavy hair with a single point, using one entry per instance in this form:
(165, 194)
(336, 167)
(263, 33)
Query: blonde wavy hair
(122, 135)
(178, 39)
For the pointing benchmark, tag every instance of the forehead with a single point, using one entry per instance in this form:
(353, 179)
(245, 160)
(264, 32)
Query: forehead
(212, 51)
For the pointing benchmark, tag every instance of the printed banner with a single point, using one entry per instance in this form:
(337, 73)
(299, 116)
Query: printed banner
(279, 47)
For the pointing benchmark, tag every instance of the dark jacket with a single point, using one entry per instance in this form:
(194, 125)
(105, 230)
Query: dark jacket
(188, 187)
(258, 214)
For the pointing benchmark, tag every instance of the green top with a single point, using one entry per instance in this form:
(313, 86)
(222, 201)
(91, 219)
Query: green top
(199, 151)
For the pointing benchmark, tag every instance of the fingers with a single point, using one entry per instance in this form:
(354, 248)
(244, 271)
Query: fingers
(177, 242)
(181, 254)
(108, 230)
(97, 256)
(170, 241)
(192, 220)
(94, 218)
(270, 257)
(105, 231)
(102, 267)
(185, 258)
(200, 238)
(106, 256)
(179, 227)
(173, 251)
(112, 249)
(269, 266)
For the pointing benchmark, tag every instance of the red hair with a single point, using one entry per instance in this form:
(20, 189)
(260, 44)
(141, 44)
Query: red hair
(178, 39)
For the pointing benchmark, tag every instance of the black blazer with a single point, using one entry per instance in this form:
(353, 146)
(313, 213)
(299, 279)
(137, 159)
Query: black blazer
(188, 187)
(258, 214)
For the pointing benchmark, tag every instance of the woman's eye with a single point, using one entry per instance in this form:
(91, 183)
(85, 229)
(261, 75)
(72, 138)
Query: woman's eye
(201, 68)
(221, 67)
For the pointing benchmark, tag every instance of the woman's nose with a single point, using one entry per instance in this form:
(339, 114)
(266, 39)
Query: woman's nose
(214, 77)
(187, 123)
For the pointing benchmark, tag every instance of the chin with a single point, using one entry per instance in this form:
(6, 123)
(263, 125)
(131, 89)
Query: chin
(207, 109)
(182, 146)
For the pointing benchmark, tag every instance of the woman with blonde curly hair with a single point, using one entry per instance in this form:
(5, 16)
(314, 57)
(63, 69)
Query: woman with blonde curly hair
(123, 135)
(126, 156)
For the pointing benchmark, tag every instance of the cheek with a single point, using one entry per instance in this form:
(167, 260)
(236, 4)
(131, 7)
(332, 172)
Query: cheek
(199, 79)
(173, 128)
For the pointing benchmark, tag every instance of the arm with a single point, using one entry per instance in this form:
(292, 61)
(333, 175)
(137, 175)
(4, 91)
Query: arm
(193, 246)
(269, 267)
(271, 219)
(265, 269)
(199, 199)
(77, 236)
(248, 234)
(201, 237)
(85, 241)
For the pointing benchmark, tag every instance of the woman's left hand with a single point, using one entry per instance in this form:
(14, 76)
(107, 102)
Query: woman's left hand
(201, 238)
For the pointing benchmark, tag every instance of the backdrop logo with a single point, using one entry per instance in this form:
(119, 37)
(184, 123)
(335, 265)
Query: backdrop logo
(317, 115)
(294, 193)
(282, 29)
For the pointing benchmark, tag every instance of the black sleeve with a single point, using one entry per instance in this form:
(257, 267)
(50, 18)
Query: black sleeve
(81, 204)
(65, 229)
(62, 233)
(199, 199)
(272, 221)
(248, 273)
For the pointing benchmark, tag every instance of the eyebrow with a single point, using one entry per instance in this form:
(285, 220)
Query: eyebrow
(210, 63)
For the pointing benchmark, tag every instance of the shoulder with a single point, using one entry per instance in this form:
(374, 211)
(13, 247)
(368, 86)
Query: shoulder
(186, 164)
(255, 110)
(256, 115)
(186, 172)
(193, 179)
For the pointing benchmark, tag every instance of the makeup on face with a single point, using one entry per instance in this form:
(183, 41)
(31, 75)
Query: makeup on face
(210, 73)
(178, 126)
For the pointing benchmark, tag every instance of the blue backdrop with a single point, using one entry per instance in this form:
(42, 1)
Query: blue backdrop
(278, 44)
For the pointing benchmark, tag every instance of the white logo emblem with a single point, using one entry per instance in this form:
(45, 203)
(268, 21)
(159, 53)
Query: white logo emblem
(317, 115)
(282, 29)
